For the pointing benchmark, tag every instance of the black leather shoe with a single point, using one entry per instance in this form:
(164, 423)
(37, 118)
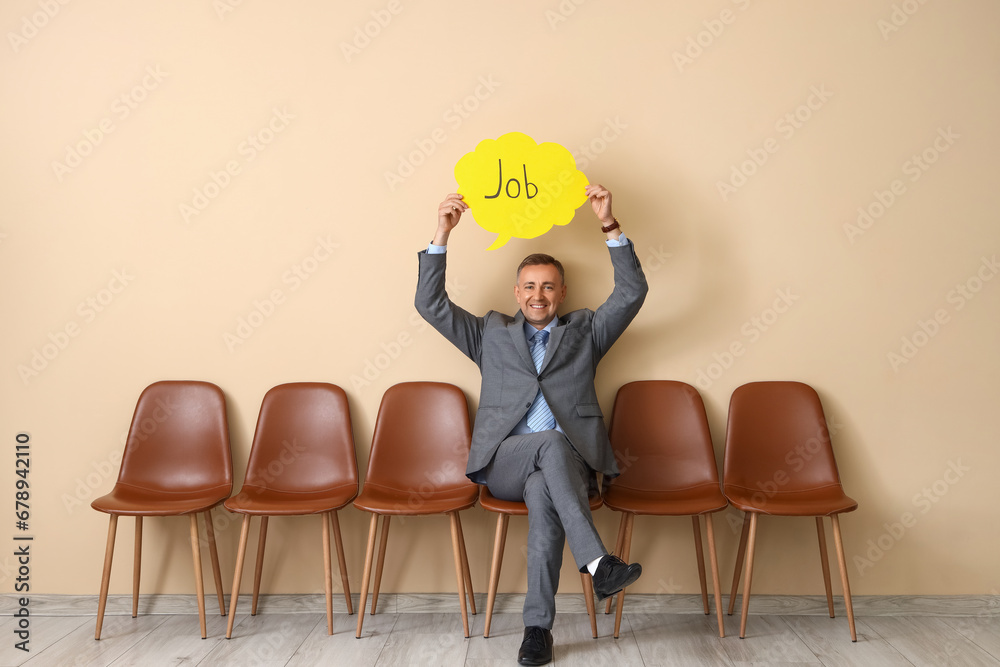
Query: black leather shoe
(536, 647)
(613, 575)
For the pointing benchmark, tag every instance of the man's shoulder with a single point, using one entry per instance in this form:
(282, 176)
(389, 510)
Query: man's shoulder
(576, 318)
(497, 319)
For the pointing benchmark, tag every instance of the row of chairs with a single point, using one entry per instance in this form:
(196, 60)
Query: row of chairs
(177, 461)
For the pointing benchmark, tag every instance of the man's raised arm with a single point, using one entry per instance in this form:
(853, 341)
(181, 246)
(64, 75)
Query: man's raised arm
(615, 314)
(460, 327)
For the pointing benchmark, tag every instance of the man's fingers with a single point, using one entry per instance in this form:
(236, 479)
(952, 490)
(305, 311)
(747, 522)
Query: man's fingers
(453, 202)
(452, 207)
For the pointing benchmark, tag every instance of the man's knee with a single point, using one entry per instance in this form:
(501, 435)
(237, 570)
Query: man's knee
(555, 451)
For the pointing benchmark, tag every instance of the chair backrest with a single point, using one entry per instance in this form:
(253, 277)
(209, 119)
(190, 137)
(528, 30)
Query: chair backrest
(777, 438)
(422, 438)
(303, 440)
(179, 439)
(660, 435)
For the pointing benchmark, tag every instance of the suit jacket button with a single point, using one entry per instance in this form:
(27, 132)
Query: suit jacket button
(528, 405)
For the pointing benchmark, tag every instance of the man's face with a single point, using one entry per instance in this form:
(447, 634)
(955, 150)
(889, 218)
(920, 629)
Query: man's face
(539, 292)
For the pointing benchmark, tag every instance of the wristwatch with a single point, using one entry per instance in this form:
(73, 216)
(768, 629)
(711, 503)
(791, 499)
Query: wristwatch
(614, 225)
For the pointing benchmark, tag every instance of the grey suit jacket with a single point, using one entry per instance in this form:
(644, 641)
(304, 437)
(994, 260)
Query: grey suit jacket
(496, 343)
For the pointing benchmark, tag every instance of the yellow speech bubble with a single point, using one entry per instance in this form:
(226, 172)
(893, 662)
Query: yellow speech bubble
(516, 187)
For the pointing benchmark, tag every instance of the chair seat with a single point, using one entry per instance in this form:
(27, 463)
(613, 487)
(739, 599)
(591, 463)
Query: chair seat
(385, 500)
(134, 501)
(822, 501)
(259, 501)
(517, 508)
(700, 499)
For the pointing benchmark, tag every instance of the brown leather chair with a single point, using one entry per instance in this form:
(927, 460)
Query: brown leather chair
(779, 461)
(504, 510)
(419, 453)
(177, 461)
(663, 446)
(301, 462)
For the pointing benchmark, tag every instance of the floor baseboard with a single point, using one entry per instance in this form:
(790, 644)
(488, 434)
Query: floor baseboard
(400, 603)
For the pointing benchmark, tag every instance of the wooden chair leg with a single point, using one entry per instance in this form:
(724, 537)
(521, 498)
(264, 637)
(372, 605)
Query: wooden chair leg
(714, 561)
(366, 575)
(214, 553)
(700, 555)
(825, 561)
(465, 567)
(626, 552)
(740, 552)
(587, 582)
(842, 560)
(751, 539)
(109, 554)
(259, 567)
(381, 560)
(199, 581)
(339, 542)
(136, 566)
(499, 541)
(327, 573)
(234, 594)
(459, 574)
(618, 552)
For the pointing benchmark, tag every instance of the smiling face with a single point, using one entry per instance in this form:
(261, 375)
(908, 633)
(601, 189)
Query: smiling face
(539, 292)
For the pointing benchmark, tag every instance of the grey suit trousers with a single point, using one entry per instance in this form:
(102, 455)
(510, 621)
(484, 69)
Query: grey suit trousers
(545, 472)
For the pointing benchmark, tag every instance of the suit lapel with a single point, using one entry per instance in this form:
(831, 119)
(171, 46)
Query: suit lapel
(554, 339)
(516, 331)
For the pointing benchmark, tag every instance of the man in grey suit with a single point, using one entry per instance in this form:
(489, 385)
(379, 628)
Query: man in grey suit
(539, 434)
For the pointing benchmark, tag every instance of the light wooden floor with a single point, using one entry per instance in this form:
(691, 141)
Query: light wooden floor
(279, 639)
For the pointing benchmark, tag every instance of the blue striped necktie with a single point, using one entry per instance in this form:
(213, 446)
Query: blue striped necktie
(539, 416)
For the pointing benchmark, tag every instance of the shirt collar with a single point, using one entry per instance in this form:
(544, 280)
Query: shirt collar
(529, 330)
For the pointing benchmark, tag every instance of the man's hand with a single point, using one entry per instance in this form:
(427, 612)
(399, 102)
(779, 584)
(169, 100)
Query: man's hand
(449, 213)
(600, 201)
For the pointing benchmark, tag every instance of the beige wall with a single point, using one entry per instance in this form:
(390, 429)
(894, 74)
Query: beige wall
(156, 97)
